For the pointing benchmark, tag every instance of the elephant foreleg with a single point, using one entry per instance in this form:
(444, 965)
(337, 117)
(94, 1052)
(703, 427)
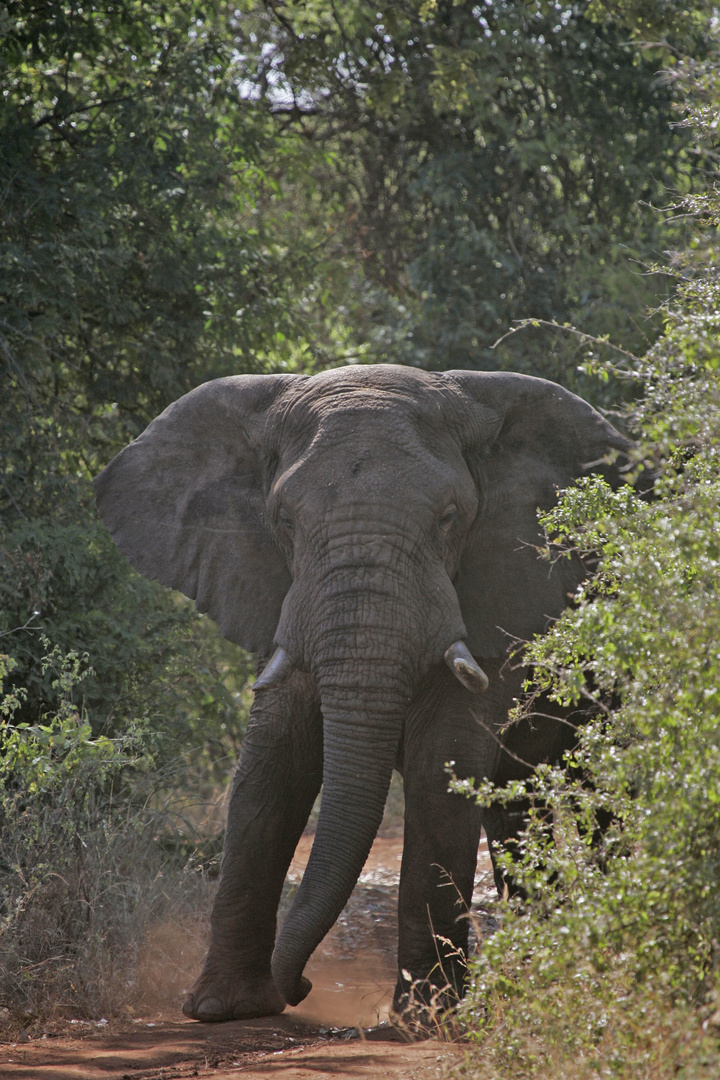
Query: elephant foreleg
(544, 736)
(436, 887)
(276, 782)
(442, 830)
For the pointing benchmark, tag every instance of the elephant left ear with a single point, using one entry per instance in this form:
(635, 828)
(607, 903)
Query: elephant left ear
(186, 503)
(542, 439)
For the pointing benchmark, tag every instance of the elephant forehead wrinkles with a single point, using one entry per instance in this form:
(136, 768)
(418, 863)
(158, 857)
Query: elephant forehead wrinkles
(335, 411)
(356, 533)
(390, 522)
(364, 466)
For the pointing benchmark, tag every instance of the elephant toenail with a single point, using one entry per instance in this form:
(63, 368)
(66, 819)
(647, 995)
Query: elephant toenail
(209, 1009)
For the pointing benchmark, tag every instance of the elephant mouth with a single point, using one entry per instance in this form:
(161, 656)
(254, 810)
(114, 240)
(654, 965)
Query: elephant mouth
(457, 657)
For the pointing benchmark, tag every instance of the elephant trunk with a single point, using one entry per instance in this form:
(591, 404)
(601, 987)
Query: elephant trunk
(374, 632)
(363, 714)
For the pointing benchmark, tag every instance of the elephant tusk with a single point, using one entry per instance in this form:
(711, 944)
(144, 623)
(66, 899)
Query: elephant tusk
(275, 672)
(464, 668)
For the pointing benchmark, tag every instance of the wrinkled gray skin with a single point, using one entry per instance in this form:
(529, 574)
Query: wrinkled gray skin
(364, 520)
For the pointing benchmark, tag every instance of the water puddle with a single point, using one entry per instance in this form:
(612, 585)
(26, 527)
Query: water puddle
(353, 970)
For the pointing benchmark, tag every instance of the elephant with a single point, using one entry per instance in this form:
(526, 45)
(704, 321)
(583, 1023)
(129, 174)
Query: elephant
(371, 533)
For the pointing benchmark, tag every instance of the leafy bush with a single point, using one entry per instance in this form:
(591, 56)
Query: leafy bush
(610, 964)
(627, 925)
(82, 875)
(482, 163)
(134, 264)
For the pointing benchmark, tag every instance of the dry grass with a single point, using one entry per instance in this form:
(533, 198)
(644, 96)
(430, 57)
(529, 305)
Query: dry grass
(79, 937)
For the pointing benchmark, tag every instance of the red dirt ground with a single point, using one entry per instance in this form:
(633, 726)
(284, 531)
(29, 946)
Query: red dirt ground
(339, 1031)
(255, 1049)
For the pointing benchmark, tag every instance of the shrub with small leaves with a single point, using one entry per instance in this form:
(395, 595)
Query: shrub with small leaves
(80, 866)
(609, 963)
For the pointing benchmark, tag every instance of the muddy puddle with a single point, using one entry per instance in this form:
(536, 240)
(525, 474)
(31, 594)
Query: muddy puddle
(353, 970)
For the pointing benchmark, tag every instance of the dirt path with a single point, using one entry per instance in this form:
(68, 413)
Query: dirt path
(251, 1048)
(339, 1031)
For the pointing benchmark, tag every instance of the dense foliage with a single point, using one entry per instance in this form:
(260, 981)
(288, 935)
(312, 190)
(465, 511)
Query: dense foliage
(609, 965)
(492, 162)
(133, 264)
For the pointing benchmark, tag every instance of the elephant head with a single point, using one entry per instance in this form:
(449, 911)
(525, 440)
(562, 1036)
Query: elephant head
(359, 524)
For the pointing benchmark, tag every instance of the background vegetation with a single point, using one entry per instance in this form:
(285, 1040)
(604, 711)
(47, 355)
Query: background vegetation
(192, 189)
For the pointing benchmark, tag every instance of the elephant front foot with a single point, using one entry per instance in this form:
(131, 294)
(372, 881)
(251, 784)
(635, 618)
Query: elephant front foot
(421, 1006)
(215, 998)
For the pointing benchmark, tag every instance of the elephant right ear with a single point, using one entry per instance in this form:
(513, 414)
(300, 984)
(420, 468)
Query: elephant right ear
(526, 439)
(185, 502)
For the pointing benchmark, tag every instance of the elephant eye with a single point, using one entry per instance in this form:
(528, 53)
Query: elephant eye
(285, 522)
(449, 518)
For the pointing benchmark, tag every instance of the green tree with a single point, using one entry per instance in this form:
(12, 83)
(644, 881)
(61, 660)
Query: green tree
(493, 162)
(141, 252)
